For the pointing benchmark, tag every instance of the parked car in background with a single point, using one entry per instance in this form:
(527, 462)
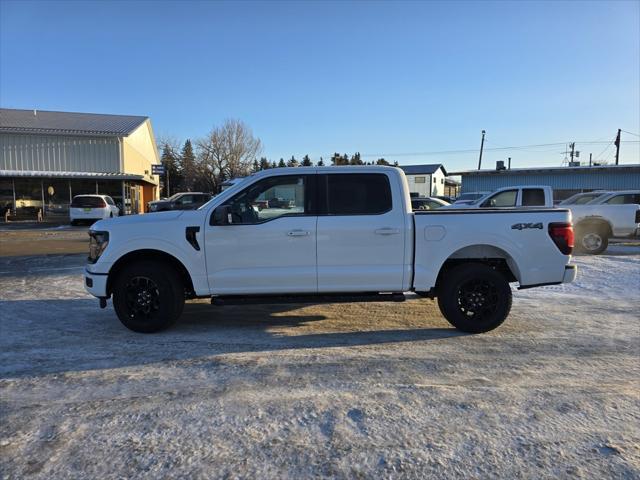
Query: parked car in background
(595, 224)
(622, 197)
(427, 203)
(180, 201)
(90, 208)
(470, 197)
(582, 198)
(445, 198)
(511, 197)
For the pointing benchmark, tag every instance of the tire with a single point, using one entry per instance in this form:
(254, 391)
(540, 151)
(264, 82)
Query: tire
(148, 296)
(474, 298)
(592, 240)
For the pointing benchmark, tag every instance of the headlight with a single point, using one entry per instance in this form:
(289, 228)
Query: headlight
(98, 241)
(153, 207)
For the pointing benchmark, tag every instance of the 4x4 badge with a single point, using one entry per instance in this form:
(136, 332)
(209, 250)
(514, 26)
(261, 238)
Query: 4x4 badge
(522, 226)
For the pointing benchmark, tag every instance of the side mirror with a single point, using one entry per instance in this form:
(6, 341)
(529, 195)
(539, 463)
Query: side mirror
(222, 215)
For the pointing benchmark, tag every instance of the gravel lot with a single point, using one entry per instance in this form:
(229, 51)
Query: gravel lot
(349, 390)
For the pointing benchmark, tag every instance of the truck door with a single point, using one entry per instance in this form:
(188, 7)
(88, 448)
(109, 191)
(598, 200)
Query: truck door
(361, 233)
(270, 244)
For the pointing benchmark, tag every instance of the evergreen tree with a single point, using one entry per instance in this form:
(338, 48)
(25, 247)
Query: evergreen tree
(173, 171)
(337, 159)
(255, 166)
(355, 159)
(306, 161)
(321, 163)
(281, 163)
(273, 165)
(264, 164)
(292, 162)
(189, 169)
(382, 161)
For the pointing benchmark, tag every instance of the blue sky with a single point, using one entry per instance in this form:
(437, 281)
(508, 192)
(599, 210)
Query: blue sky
(400, 79)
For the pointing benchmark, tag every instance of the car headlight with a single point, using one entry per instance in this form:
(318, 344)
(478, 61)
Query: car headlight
(98, 241)
(153, 208)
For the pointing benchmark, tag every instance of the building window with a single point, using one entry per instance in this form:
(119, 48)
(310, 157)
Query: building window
(6, 195)
(420, 179)
(442, 181)
(56, 197)
(28, 196)
(435, 180)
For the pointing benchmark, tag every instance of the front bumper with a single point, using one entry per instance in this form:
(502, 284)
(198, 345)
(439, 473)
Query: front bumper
(96, 283)
(570, 273)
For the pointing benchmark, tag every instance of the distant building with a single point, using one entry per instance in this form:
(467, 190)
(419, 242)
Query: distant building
(425, 180)
(46, 158)
(565, 181)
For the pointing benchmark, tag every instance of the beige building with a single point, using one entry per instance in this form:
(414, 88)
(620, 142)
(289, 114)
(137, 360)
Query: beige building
(47, 158)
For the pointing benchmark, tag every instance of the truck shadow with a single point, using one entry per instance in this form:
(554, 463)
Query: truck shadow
(62, 336)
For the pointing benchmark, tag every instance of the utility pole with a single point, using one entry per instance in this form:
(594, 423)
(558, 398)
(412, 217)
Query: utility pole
(573, 150)
(481, 148)
(590, 155)
(509, 164)
(618, 146)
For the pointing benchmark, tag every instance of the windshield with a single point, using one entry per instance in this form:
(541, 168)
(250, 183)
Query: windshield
(581, 198)
(467, 197)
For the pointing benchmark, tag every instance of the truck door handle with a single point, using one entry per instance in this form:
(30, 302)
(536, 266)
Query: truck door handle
(298, 233)
(387, 231)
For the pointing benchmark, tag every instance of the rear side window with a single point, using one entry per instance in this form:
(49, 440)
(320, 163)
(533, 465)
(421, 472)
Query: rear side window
(357, 194)
(626, 199)
(533, 197)
(87, 202)
(109, 200)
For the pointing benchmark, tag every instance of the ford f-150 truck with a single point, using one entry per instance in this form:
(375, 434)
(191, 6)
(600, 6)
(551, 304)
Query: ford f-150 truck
(347, 234)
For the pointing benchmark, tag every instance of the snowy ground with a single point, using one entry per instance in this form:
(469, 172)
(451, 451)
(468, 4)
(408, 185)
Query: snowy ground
(356, 390)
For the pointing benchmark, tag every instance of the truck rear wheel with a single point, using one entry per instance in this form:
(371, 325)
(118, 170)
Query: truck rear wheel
(474, 298)
(148, 296)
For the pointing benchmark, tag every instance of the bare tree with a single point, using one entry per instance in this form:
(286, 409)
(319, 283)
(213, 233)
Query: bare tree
(227, 152)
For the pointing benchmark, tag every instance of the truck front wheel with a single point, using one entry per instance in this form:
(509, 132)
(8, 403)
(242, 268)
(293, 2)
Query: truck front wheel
(474, 298)
(148, 296)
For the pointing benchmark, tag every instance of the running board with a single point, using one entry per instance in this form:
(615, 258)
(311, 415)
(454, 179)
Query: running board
(306, 298)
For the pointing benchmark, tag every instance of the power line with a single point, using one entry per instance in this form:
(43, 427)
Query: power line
(475, 150)
(631, 133)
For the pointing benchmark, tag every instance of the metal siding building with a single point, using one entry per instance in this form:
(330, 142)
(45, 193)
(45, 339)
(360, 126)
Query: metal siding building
(565, 181)
(46, 158)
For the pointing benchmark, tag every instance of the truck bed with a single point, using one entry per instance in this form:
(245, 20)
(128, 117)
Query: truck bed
(519, 237)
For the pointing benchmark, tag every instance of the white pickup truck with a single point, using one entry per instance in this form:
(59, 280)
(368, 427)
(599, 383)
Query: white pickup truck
(325, 234)
(510, 197)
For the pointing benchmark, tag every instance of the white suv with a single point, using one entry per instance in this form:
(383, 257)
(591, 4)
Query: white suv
(91, 208)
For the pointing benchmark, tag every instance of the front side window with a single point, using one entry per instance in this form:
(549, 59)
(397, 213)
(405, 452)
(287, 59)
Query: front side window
(506, 198)
(533, 197)
(358, 194)
(269, 199)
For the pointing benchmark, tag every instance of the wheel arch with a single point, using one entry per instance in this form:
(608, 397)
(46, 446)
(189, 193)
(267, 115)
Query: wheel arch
(598, 222)
(152, 255)
(490, 255)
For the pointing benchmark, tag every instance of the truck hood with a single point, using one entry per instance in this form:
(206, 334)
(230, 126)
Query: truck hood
(133, 220)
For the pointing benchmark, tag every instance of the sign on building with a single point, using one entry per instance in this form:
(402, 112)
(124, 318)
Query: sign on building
(157, 169)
